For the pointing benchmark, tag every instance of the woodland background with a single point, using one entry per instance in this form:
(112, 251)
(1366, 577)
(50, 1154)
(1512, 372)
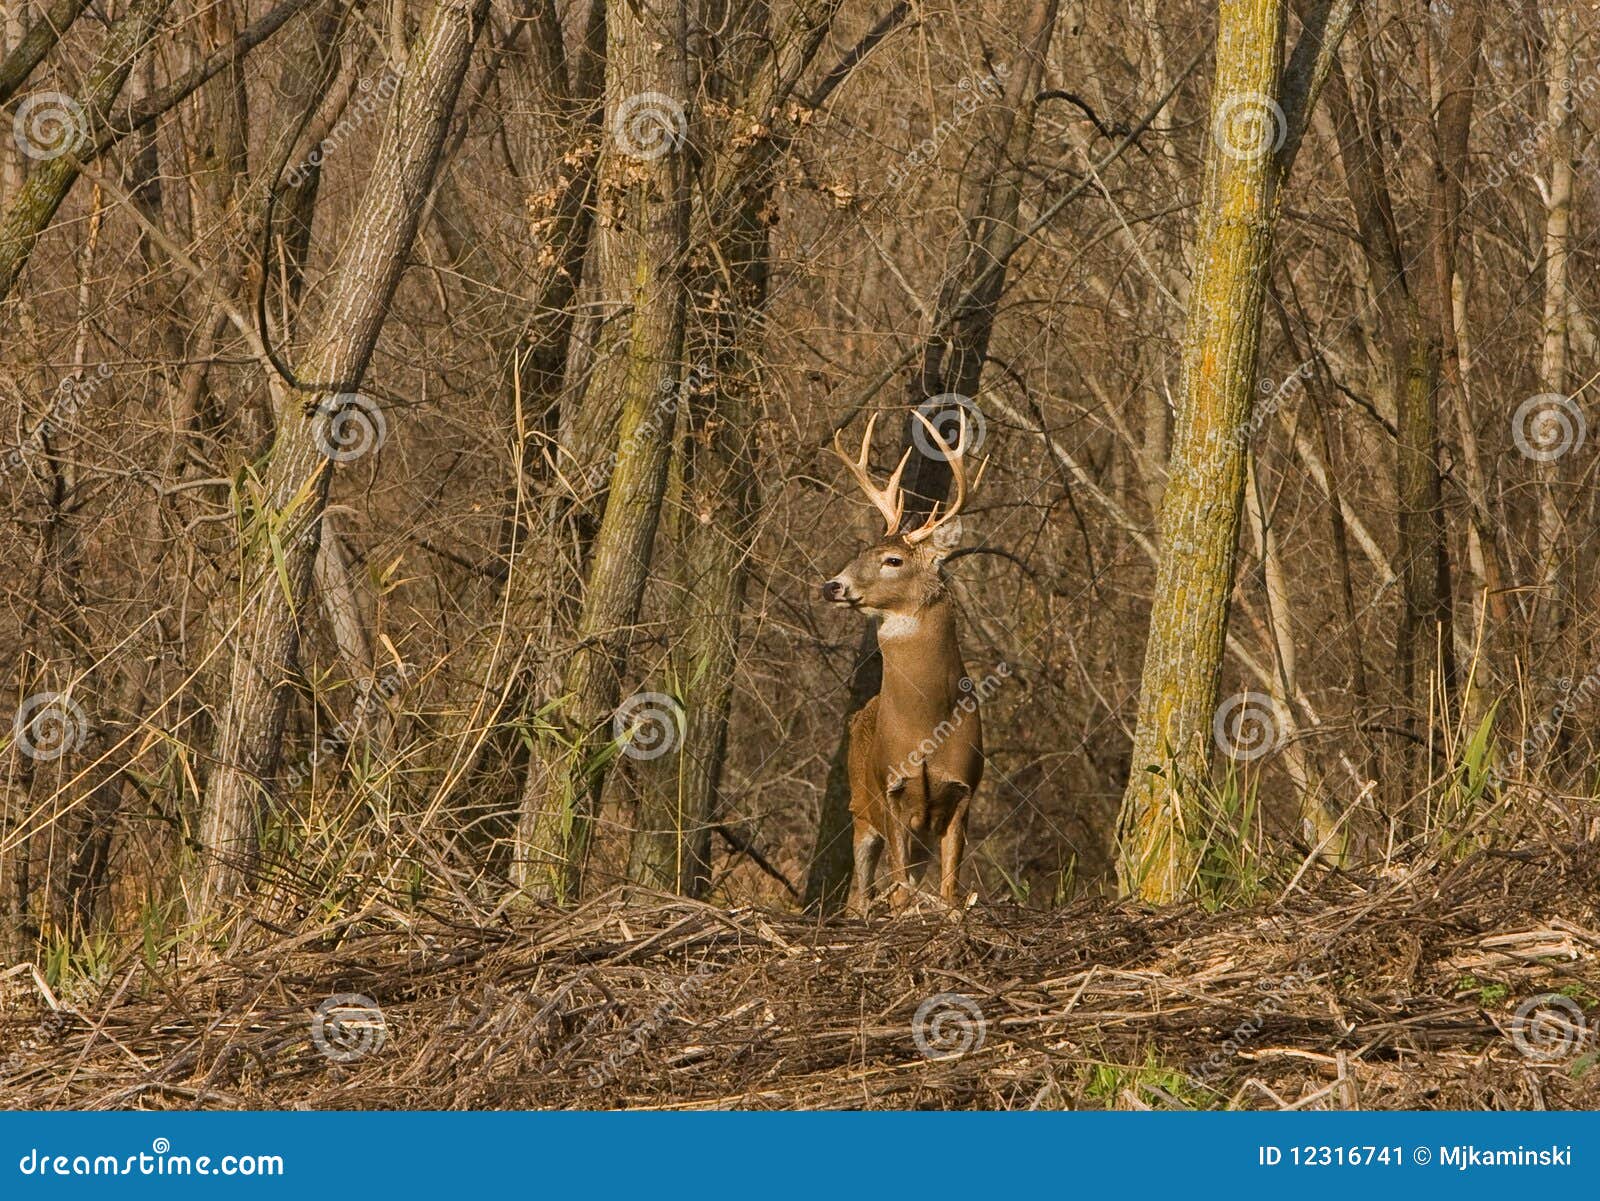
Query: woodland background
(415, 423)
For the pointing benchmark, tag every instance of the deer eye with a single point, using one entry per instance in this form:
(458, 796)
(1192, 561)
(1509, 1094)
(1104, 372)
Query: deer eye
(893, 561)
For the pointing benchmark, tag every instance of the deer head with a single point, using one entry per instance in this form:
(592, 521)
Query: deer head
(899, 575)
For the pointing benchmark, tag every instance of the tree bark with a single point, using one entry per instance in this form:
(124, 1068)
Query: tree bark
(1553, 596)
(671, 847)
(36, 204)
(37, 201)
(1258, 118)
(279, 543)
(46, 30)
(643, 234)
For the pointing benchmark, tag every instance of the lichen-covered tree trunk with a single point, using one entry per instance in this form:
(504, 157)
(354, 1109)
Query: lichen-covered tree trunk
(1257, 122)
(47, 186)
(36, 202)
(678, 808)
(643, 231)
(284, 501)
(48, 27)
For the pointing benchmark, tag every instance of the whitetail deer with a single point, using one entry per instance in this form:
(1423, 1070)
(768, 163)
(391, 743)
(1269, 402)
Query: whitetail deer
(916, 749)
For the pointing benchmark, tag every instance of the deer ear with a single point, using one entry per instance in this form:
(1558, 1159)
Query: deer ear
(945, 539)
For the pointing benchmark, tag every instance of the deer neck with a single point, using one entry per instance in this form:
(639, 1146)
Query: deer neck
(922, 666)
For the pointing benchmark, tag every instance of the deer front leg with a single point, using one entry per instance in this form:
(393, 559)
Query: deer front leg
(868, 846)
(898, 838)
(899, 844)
(951, 845)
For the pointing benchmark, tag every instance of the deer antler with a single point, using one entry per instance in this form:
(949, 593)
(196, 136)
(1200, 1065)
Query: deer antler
(888, 500)
(956, 456)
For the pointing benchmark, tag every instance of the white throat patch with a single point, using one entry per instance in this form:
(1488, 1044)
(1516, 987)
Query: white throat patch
(898, 625)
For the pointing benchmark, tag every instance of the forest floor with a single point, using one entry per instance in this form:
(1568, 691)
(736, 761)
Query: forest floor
(1465, 986)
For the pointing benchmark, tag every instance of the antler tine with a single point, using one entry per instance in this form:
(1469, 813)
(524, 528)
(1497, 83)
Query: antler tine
(956, 456)
(888, 500)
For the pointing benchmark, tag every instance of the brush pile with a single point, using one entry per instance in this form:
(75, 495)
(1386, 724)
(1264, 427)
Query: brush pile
(1466, 986)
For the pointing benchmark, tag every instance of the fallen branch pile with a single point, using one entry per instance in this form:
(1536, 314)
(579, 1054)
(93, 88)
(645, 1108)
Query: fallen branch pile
(1384, 992)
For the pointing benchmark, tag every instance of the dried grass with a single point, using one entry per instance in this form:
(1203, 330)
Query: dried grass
(1377, 992)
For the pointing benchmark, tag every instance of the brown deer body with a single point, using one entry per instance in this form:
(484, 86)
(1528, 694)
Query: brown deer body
(916, 749)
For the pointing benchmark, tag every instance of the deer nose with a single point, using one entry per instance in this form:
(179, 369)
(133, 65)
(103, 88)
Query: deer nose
(833, 590)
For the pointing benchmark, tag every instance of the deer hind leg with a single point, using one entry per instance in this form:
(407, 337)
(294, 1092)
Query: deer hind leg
(868, 846)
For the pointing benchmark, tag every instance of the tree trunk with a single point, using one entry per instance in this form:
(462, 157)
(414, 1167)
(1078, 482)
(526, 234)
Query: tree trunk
(1554, 592)
(678, 807)
(36, 204)
(36, 42)
(1253, 144)
(499, 686)
(279, 543)
(643, 232)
